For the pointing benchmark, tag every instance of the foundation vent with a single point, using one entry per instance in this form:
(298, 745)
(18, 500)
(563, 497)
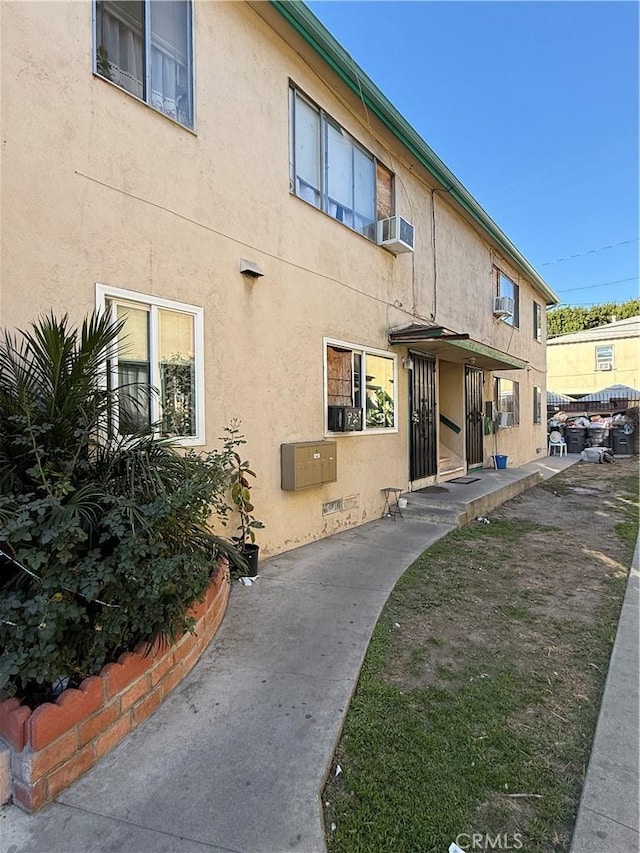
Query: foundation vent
(332, 506)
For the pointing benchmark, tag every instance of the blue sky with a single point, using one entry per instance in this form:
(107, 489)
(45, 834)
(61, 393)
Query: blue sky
(534, 107)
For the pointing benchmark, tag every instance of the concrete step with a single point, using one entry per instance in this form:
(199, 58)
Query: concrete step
(450, 463)
(418, 506)
(481, 498)
(445, 474)
(483, 504)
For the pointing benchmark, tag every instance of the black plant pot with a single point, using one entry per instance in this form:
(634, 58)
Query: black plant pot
(250, 553)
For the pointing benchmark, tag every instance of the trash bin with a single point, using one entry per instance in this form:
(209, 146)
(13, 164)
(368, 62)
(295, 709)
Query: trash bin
(598, 437)
(500, 461)
(621, 443)
(575, 438)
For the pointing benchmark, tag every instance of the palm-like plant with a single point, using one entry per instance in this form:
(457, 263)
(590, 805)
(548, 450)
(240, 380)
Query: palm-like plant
(56, 420)
(53, 399)
(108, 533)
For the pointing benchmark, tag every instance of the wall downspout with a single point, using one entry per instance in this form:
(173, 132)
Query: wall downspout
(435, 258)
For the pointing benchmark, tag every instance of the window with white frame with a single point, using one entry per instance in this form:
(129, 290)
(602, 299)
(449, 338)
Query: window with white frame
(604, 357)
(507, 287)
(331, 171)
(537, 322)
(507, 400)
(537, 405)
(360, 379)
(145, 47)
(160, 364)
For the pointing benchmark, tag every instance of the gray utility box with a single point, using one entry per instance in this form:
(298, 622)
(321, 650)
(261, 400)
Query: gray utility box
(308, 463)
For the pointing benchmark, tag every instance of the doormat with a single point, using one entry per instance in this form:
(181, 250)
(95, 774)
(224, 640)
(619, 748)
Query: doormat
(429, 490)
(463, 481)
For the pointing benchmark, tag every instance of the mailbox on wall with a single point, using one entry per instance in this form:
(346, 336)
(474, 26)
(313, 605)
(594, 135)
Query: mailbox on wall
(308, 463)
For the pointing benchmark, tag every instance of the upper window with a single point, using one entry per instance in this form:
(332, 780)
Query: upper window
(507, 400)
(145, 47)
(537, 322)
(159, 362)
(360, 388)
(331, 171)
(507, 287)
(604, 357)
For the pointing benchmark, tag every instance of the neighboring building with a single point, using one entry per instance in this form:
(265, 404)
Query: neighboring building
(588, 361)
(153, 150)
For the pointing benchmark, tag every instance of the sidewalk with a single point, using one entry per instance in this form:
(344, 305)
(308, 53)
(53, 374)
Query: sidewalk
(236, 757)
(608, 814)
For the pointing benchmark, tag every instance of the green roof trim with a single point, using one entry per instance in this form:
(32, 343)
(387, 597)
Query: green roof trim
(491, 352)
(305, 23)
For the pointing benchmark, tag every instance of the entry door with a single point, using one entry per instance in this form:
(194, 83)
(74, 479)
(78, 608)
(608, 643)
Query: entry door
(475, 416)
(422, 415)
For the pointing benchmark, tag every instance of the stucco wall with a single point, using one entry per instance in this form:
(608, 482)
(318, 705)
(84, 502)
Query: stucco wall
(571, 366)
(451, 403)
(97, 187)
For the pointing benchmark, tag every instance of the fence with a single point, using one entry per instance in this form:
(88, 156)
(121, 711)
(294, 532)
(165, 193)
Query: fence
(604, 405)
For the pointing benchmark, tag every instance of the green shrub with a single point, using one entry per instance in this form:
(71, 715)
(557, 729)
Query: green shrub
(105, 541)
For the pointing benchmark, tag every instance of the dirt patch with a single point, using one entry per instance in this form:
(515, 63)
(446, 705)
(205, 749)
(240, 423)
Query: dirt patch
(550, 566)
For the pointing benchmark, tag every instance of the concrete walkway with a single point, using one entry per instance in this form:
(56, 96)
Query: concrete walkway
(608, 820)
(236, 758)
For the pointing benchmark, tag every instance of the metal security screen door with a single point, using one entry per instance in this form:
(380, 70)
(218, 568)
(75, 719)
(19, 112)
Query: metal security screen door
(422, 414)
(473, 406)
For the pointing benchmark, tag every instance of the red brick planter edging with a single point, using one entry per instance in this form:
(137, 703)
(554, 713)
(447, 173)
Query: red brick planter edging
(58, 742)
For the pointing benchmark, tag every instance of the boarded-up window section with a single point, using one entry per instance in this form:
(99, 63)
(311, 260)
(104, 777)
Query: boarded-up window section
(339, 377)
(384, 192)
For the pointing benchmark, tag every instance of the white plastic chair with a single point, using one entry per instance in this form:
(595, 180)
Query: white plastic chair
(556, 440)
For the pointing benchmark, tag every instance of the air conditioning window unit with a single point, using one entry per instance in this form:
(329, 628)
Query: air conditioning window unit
(344, 419)
(504, 419)
(395, 234)
(503, 306)
(605, 365)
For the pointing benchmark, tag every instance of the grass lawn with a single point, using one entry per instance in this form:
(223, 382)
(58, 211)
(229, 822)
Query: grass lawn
(476, 706)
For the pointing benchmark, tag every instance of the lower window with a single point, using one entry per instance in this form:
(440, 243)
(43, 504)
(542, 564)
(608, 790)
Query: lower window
(159, 363)
(507, 400)
(360, 388)
(537, 405)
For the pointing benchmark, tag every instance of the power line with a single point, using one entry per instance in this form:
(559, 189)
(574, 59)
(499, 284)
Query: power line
(604, 284)
(591, 252)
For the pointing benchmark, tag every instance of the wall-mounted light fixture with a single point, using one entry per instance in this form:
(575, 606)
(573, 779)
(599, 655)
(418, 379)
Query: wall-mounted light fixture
(250, 268)
(407, 362)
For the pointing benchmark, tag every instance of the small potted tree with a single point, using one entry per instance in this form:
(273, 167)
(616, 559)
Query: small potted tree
(241, 498)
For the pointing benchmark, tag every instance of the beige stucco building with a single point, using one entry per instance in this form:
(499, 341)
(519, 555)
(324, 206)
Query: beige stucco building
(587, 361)
(153, 150)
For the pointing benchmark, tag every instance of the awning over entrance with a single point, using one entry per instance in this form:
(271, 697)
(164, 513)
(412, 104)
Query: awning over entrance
(451, 346)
